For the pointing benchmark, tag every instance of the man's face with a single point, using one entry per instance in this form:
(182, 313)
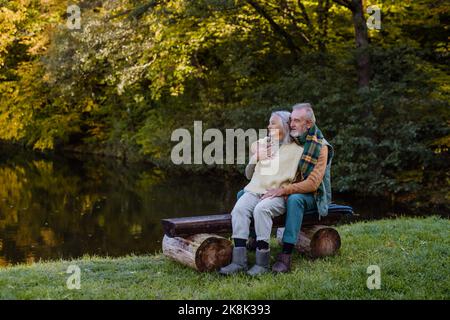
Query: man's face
(299, 124)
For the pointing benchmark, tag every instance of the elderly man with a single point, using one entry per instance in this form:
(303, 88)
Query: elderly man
(311, 191)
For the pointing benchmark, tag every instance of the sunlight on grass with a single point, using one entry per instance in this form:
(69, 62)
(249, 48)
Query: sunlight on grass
(412, 253)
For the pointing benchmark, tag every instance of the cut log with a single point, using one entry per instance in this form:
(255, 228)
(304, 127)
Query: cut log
(202, 252)
(221, 223)
(315, 241)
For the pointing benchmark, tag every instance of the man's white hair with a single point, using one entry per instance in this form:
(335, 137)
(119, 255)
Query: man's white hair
(309, 112)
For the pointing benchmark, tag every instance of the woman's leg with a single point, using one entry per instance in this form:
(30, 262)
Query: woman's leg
(242, 213)
(240, 219)
(263, 214)
(251, 243)
(264, 211)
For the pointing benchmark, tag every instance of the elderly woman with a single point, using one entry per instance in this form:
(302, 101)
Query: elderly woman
(275, 164)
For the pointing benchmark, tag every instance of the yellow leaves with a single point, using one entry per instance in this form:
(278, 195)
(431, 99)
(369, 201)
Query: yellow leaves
(135, 229)
(44, 167)
(11, 193)
(11, 128)
(410, 176)
(39, 44)
(20, 100)
(28, 22)
(44, 143)
(56, 127)
(87, 203)
(89, 105)
(8, 29)
(442, 144)
(176, 90)
(99, 132)
(11, 117)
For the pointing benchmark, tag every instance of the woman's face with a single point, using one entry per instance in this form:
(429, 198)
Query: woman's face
(275, 128)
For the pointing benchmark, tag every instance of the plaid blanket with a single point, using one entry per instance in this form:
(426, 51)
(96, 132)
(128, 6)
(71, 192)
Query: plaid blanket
(312, 141)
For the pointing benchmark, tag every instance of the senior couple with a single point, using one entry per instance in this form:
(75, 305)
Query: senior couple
(300, 183)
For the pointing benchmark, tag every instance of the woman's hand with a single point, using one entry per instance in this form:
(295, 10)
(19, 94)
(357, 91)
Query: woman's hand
(263, 151)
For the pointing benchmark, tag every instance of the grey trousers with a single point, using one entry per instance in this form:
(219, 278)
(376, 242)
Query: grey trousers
(250, 205)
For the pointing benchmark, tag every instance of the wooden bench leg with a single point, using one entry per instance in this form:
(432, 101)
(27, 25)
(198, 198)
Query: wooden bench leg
(316, 241)
(202, 252)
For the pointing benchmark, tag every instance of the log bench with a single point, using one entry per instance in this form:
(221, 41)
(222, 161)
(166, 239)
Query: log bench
(194, 241)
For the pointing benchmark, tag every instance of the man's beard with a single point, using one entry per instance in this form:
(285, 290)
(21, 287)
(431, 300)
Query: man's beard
(294, 133)
(297, 133)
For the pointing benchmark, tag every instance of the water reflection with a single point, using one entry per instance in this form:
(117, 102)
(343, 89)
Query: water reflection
(56, 207)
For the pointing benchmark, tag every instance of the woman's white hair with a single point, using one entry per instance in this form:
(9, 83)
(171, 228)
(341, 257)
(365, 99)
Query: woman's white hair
(285, 117)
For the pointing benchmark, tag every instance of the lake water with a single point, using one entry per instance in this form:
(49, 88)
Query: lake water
(54, 207)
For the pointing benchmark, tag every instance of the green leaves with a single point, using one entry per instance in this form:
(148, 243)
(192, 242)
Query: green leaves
(139, 69)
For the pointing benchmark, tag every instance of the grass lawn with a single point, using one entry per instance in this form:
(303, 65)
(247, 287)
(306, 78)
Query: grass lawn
(412, 253)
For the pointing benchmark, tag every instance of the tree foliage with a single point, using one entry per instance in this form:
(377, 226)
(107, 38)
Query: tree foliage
(137, 70)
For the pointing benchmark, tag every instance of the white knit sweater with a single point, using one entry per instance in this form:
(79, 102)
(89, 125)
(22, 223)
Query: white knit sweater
(276, 171)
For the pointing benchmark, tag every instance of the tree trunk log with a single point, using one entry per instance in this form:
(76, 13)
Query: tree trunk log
(316, 241)
(202, 252)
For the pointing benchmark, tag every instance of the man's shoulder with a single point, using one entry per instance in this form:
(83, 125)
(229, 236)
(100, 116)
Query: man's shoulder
(325, 142)
(329, 150)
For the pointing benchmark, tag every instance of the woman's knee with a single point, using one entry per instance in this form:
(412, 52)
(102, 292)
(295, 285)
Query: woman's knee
(237, 212)
(240, 210)
(261, 211)
(239, 218)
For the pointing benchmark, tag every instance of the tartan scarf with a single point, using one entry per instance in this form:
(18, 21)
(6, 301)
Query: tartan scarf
(312, 141)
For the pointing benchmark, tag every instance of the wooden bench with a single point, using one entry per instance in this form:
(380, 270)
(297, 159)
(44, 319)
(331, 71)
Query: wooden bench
(221, 223)
(193, 241)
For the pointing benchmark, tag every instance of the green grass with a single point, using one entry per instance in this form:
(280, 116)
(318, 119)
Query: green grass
(412, 253)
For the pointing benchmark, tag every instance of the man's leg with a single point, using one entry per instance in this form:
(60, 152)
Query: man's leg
(297, 205)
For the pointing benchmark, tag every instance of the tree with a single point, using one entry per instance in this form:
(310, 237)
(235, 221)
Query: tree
(361, 39)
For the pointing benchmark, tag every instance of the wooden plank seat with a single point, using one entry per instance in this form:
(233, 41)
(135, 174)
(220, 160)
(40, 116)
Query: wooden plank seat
(221, 223)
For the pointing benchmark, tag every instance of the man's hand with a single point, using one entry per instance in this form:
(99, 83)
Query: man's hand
(278, 192)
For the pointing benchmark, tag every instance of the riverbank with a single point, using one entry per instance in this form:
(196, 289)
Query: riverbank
(412, 253)
(413, 203)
